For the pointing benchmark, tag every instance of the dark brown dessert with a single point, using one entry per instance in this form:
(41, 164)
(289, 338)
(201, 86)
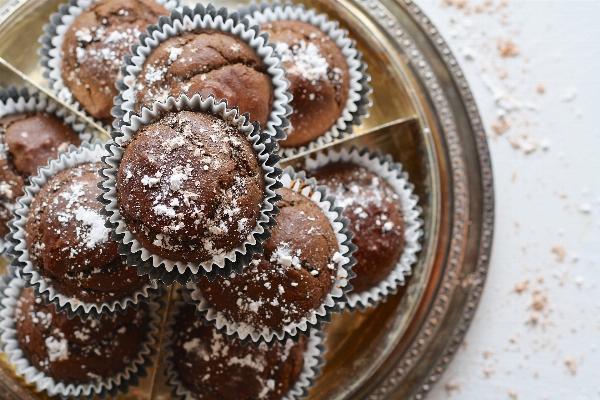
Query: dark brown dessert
(94, 47)
(190, 187)
(212, 367)
(73, 351)
(291, 279)
(318, 75)
(207, 62)
(27, 142)
(69, 244)
(375, 215)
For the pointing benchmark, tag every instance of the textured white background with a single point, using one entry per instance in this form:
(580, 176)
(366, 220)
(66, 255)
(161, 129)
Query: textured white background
(547, 185)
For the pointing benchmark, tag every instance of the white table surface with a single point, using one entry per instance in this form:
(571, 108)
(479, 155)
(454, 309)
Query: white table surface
(547, 186)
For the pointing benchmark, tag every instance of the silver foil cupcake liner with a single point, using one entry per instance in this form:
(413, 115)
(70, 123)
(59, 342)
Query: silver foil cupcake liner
(313, 361)
(108, 387)
(52, 41)
(334, 301)
(358, 97)
(386, 168)
(13, 100)
(234, 260)
(18, 246)
(206, 17)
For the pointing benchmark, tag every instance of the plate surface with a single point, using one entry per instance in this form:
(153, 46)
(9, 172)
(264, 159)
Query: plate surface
(399, 349)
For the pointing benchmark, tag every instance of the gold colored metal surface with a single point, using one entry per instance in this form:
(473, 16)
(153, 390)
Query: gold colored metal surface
(424, 116)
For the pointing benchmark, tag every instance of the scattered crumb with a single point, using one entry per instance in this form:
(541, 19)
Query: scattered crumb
(454, 3)
(501, 127)
(560, 252)
(541, 88)
(513, 395)
(513, 176)
(507, 48)
(540, 300)
(572, 364)
(488, 372)
(452, 385)
(521, 286)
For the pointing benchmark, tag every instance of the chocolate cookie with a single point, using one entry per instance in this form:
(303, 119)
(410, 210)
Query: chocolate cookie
(207, 62)
(318, 75)
(190, 187)
(73, 351)
(375, 215)
(291, 279)
(69, 244)
(94, 46)
(212, 367)
(28, 141)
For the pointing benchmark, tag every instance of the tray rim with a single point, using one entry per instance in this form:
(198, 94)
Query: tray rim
(387, 385)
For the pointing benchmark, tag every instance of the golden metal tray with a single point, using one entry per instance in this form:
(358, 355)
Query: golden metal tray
(424, 115)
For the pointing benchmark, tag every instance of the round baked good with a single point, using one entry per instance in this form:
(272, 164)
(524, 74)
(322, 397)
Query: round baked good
(212, 367)
(190, 187)
(318, 75)
(207, 62)
(73, 351)
(28, 140)
(292, 277)
(68, 243)
(375, 215)
(94, 46)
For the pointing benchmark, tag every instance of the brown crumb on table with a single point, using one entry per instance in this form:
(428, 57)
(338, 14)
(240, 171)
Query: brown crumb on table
(560, 252)
(501, 127)
(455, 3)
(507, 48)
(488, 372)
(540, 300)
(520, 287)
(486, 354)
(452, 385)
(572, 364)
(541, 88)
(513, 395)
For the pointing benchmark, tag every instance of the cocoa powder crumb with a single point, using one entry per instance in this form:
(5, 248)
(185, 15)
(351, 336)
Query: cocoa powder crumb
(507, 48)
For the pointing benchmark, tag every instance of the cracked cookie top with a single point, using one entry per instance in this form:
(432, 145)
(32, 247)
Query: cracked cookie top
(190, 187)
(94, 47)
(27, 141)
(207, 62)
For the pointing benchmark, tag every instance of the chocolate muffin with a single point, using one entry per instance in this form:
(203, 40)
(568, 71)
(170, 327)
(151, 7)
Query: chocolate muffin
(375, 215)
(73, 351)
(94, 46)
(28, 140)
(68, 243)
(292, 277)
(318, 75)
(190, 187)
(207, 62)
(212, 367)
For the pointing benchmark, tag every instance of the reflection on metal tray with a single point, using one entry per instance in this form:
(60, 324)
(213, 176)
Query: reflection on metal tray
(399, 349)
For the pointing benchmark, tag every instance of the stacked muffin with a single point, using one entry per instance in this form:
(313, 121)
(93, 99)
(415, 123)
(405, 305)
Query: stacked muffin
(191, 191)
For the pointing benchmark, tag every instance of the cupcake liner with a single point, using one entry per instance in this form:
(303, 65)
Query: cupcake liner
(333, 302)
(234, 260)
(52, 41)
(313, 361)
(386, 168)
(201, 17)
(13, 100)
(86, 153)
(358, 100)
(108, 387)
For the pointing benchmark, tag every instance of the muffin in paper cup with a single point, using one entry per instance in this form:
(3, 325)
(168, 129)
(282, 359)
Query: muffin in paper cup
(383, 167)
(53, 55)
(244, 46)
(311, 368)
(16, 101)
(191, 249)
(111, 386)
(300, 263)
(306, 60)
(45, 287)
